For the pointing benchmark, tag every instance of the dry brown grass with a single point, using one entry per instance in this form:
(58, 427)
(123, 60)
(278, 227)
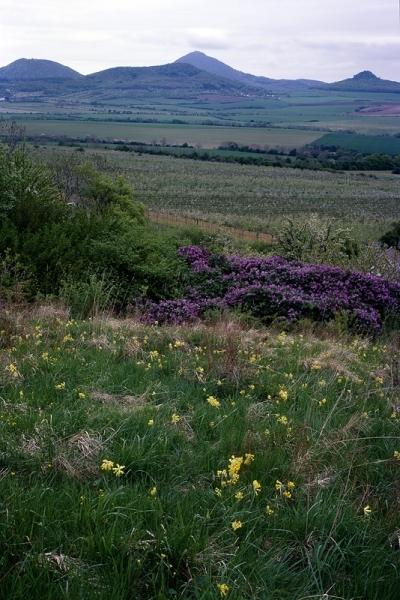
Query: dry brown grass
(120, 401)
(78, 456)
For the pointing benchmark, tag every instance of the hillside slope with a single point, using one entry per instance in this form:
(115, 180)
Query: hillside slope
(33, 68)
(366, 81)
(216, 67)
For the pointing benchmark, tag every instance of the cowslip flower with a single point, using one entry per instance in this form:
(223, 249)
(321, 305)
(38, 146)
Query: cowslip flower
(153, 491)
(283, 394)
(150, 422)
(367, 510)
(213, 401)
(269, 511)
(239, 495)
(175, 418)
(248, 458)
(256, 487)
(118, 470)
(396, 455)
(223, 589)
(282, 419)
(236, 525)
(235, 464)
(107, 465)
(13, 370)
(81, 395)
(60, 386)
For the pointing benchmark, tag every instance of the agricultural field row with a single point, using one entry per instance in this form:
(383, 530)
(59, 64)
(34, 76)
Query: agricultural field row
(308, 111)
(196, 135)
(255, 197)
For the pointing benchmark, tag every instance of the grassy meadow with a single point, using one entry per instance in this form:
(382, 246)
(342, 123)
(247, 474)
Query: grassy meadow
(211, 461)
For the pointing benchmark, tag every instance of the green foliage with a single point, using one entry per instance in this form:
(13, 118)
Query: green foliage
(72, 230)
(88, 298)
(28, 196)
(15, 279)
(316, 240)
(392, 237)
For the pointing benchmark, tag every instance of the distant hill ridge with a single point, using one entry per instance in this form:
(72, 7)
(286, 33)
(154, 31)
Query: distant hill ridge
(216, 67)
(34, 68)
(365, 81)
(191, 76)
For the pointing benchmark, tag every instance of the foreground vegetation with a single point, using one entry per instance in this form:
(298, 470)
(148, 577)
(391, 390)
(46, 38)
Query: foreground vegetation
(204, 462)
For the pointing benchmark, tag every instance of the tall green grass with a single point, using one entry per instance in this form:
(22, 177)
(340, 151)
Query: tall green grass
(172, 406)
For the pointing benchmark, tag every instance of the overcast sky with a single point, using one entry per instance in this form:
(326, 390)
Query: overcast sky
(323, 39)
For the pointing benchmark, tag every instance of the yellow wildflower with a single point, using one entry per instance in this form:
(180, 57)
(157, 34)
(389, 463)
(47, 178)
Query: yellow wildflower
(270, 511)
(212, 401)
(150, 422)
(13, 370)
(118, 470)
(315, 366)
(283, 394)
(81, 395)
(175, 418)
(153, 491)
(282, 419)
(60, 386)
(256, 487)
(236, 525)
(287, 494)
(223, 589)
(107, 465)
(235, 464)
(278, 485)
(218, 492)
(239, 495)
(396, 455)
(290, 485)
(367, 510)
(248, 458)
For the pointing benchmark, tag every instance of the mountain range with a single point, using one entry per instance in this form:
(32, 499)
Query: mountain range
(194, 75)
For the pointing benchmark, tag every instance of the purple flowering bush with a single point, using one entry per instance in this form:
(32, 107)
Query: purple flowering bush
(273, 287)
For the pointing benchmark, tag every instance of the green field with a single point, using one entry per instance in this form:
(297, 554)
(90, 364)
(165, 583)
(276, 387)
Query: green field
(256, 197)
(203, 136)
(312, 111)
(367, 144)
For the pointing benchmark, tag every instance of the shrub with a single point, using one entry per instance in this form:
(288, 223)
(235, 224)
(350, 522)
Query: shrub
(69, 237)
(271, 288)
(392, 237)
(316, 240)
